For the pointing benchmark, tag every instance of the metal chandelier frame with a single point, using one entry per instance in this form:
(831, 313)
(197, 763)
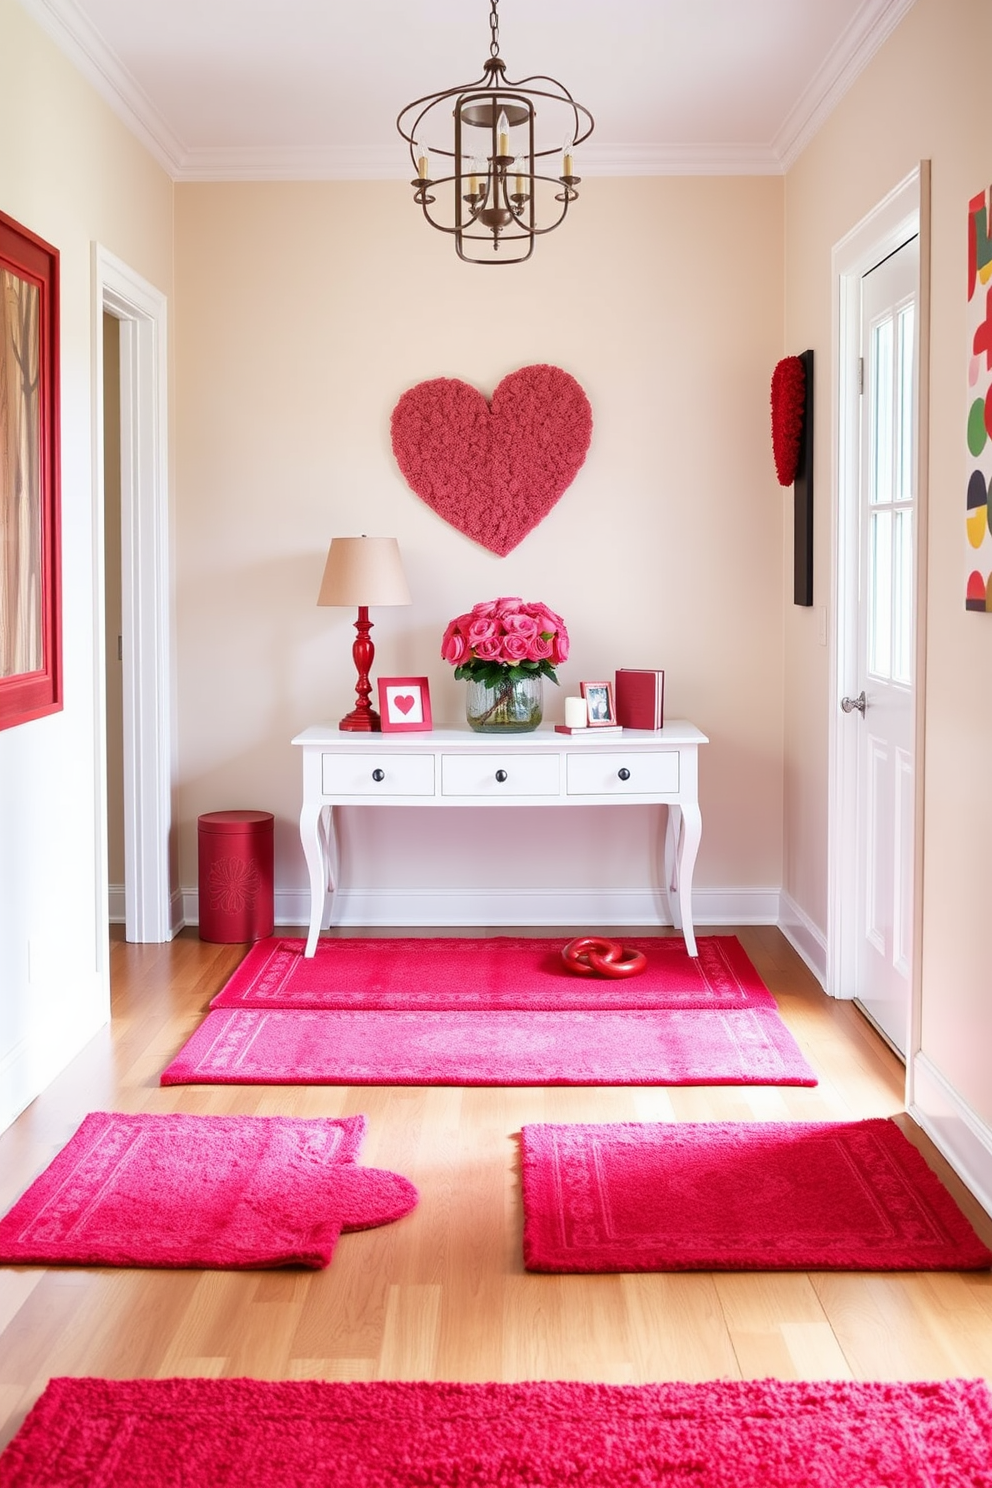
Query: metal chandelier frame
(499, 191)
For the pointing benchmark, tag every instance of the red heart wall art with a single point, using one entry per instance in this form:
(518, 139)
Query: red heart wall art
(493, 471)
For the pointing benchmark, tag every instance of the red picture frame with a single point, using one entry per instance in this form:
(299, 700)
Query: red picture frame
(600, 709)
(30, 576)
(404, 704)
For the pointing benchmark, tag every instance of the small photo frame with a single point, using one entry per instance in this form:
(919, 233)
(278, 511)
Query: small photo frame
(599, 703)
(404, 704)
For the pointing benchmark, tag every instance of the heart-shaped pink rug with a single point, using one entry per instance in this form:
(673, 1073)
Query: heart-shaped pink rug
(493, 471)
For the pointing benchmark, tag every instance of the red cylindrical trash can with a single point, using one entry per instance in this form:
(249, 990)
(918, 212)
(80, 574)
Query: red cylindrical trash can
(234, 850)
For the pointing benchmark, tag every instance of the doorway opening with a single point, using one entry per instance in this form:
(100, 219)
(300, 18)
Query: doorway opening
(150, 903)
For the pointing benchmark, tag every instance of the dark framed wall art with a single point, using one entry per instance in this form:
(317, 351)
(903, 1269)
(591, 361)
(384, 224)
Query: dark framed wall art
(30, 567)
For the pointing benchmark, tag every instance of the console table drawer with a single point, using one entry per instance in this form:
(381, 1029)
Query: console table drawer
(500, 775)
(356, 775)
(623, 774)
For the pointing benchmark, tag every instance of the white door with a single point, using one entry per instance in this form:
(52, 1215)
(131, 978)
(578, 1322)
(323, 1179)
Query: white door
(879, 702)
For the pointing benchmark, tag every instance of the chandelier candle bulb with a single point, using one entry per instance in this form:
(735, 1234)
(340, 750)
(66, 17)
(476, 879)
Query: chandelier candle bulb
(423, 162)
(575, 712)
(503, 127)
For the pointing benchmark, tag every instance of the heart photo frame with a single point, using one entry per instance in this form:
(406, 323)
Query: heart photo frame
(404, 704)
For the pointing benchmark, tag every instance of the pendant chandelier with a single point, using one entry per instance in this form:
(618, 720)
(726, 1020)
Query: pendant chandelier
(503, 189)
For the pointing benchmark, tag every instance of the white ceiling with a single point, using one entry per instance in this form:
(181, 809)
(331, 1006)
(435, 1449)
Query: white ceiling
(310, 89)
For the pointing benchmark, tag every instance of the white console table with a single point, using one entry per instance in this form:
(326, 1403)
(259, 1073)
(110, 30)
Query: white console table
(454, 767)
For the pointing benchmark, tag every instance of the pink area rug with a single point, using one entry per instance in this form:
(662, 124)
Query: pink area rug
(726, 1434)
(218, 1191)
(500, 971)
(770, 1196)
(737, 1046)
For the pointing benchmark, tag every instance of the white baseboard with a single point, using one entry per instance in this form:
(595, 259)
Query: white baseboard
(118, 908)
(34, 1062)
(385, 907)
(806, 938)
(953, 1127)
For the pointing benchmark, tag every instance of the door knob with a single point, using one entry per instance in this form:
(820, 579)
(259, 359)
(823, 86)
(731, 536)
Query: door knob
(849, 704)
(501, 776)
(378, 774)
(624, 774)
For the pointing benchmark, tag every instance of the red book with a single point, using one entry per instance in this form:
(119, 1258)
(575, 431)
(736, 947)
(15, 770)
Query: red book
(639, 698)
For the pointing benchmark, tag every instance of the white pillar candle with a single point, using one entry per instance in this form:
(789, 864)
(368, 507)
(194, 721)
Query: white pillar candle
(575, 712)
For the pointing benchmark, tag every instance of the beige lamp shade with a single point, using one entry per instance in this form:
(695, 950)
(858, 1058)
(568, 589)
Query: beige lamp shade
(364, 571)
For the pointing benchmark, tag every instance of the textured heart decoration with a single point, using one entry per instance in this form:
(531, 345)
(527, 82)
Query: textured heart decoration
(495, 470)
(404, 701)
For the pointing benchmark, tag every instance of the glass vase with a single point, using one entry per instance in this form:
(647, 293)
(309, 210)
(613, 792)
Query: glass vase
(508, 708)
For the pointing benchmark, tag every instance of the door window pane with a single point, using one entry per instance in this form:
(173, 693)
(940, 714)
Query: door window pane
(881, 386)
(904, 489)
(880, 594)
(902, 596)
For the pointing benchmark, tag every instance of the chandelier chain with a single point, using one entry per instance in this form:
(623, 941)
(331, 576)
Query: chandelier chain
(494, 28)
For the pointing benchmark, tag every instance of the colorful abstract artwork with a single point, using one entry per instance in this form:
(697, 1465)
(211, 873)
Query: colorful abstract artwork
(978, 512)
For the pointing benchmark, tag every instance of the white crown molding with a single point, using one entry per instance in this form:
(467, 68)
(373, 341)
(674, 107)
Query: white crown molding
(86, 49)
(88, 52)
(868, 31)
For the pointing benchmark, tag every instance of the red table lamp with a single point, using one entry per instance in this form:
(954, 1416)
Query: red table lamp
(363, 571)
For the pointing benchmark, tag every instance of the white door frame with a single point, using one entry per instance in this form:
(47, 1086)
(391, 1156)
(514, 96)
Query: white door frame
(148, 745)
(905, 211)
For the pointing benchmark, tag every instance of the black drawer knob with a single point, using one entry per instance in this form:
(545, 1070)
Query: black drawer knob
(378, 774)
(624, 774)
(501, 776)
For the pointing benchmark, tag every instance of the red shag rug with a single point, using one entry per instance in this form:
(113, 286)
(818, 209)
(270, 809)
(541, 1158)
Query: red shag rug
(737, 1046)
(220, 1191)
(202, 1433)
(766, 1196)
(500, 971)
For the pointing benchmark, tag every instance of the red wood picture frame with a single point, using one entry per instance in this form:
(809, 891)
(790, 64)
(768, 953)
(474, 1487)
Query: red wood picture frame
(600, 709)
(404, 704)
(30, 548)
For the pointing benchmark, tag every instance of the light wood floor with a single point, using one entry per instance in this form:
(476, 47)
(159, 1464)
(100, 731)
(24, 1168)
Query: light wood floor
(442, 1294)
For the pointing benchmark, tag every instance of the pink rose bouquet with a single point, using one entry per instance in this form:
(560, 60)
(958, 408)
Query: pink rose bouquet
(504, 640)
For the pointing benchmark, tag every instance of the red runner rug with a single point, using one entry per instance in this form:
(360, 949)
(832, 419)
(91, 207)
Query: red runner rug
(769, 1196)
(727, 1434)
(218, 1191)
(500, 971)
(739, 1046)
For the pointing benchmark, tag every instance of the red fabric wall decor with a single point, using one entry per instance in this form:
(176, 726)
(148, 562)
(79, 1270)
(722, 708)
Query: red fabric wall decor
(493, 471)
(788, 409)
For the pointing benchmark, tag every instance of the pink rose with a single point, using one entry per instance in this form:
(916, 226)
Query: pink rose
(480, 629)
(517, 647)
(489, 649)
(559, 646)
(453, 645)
(520, 624)
(538, 649)
(508, 606)
(487, 608)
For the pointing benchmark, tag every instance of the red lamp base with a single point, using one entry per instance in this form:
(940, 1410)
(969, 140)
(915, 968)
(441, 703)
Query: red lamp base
(363, 719)
(357, 722)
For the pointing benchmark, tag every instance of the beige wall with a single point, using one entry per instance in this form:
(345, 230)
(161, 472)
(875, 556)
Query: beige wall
(924, 96)
(304, 311)
(71, 172)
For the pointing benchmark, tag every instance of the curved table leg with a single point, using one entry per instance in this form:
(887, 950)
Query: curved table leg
(319, 850)
(682, 838)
